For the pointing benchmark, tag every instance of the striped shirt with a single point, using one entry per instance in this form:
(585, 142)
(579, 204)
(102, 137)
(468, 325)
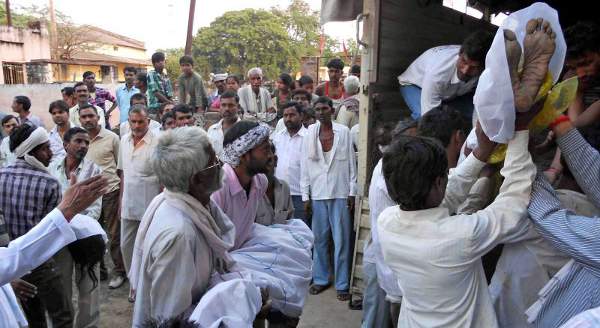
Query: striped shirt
(27, 194)
(577, 236)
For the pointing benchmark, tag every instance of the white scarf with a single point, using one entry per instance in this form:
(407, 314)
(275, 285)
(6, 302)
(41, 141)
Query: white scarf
(38, 137)
(202, 219)
(313, 142)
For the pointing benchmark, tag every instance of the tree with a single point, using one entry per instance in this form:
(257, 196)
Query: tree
(240, 40)
(302, 25)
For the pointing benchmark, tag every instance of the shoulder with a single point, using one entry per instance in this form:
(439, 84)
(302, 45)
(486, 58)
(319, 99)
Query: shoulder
(340, 127)
(215, 126)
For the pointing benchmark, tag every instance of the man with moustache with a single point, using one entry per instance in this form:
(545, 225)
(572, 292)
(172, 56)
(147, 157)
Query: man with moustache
(229, 112)
(59, 110)
(83, 98)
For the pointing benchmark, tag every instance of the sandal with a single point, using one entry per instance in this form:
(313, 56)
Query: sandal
(317, 289)
(343, 296)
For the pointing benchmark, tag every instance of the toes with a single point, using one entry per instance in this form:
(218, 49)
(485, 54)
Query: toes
(540, 22)
(546, 27)
(531, 26)
(552, 35)
(509, 35)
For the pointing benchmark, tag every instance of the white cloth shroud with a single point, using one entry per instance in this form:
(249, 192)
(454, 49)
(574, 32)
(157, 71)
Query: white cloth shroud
(277, 258)
(494, 100)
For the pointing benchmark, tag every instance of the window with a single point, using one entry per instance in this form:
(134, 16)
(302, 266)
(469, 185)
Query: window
(13, 73)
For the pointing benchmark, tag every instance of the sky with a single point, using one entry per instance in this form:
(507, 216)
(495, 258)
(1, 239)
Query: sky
(163, 23)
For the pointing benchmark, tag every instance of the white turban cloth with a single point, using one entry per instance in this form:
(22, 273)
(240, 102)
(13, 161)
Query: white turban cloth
(38, 137)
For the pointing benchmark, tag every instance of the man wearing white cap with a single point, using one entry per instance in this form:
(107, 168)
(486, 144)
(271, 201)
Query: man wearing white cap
(28, 193)
(219, 82)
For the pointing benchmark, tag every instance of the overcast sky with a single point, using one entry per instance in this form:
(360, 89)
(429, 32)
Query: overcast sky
(163, 24)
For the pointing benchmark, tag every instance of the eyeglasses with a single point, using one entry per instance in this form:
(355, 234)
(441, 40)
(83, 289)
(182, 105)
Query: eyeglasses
(217, 163)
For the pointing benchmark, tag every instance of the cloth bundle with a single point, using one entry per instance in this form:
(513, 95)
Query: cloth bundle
(277, 258)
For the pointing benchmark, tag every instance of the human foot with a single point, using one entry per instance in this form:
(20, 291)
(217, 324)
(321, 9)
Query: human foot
(538, 47)
(513, 56)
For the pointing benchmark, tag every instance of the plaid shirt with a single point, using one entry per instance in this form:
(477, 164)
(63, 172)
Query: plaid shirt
(102, 95)
(161, 83)
(27, 194)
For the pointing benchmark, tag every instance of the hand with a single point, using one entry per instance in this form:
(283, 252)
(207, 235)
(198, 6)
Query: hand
(23, 290)
(351, 201)
(485, 147)
(522, 119)
(80, 196)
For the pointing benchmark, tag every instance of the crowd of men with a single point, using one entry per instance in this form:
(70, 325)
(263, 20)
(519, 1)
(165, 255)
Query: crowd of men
(455, 241)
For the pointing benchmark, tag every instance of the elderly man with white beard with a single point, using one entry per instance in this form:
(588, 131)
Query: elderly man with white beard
(183, 237)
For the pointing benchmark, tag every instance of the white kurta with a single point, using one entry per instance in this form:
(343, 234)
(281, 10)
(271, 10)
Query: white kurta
(437, 256)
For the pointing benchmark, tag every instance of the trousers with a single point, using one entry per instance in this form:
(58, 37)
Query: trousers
(129, 230)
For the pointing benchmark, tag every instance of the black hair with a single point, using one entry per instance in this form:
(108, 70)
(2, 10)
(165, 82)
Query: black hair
(20, 134)
(476, 45)
(581, 38)
(324, 100)
(88, 252)
(441, 122)
(142, 77)
(59, 104)
(24, 101)
(237, 130)
(7, 118)
(138, 109)
(310, 113)
(130, 69)
(86, 106)
(286, 79)
(355, 69)
(78, 84)
(88, 73)
(231, 94)
(177, 322)
(234, 77)
(73, 131)
(69, 91)
(301, 91)
(157, 56)
(298, 106)
(335, 63)
(411, 166)
(166, 116)
(305, 79)
(138, 96)
(387, 132)
(183, 108)
(186, 60)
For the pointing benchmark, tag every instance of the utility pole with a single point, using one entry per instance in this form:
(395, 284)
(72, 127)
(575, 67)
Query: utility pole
(188, 41)
(8, 15)
(53, 30)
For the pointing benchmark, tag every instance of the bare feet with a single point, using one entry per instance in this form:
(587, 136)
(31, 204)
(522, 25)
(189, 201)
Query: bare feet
(513, 56)
(538, 47)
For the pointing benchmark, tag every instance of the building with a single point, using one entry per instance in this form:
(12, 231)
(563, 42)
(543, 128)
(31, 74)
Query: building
(24, 54)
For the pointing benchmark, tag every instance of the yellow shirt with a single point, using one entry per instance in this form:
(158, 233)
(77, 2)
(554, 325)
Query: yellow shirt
(104, 151)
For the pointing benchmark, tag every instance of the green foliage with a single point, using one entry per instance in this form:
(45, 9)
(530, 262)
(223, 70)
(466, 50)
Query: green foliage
(302, 25)
(18, 19)
(240, 40)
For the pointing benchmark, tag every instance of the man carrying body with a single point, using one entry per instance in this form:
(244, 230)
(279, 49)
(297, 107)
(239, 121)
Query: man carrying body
(60, 116)
(99, 96)
(246, 152)
(160, 90)
(21, 105)
(7, 157)
(183, 237)
(191, 88)
(444, 73)
(29, 193)
(83, 96)
(288, 146)
(328, 178)
(104, 152)
(139, 185)
(229, 113)
(334, 88)
(125, 92)
(76, 143)
(254, 98)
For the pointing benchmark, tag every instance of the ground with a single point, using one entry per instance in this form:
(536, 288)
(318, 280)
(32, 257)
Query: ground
(322, 310)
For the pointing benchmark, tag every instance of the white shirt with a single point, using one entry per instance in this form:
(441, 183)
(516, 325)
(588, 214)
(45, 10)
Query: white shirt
(435, 73)
(85, 170)
(216, 135)
(321, 179)
(124, 128)
(280, 126)
(289, 157)
(74, 116)
(7, 157)
(140, 185)
(354, 133)
(379, 200)
(56, 143)
(33, 119)
(437, 256)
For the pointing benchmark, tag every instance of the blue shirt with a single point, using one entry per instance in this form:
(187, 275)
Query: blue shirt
(574, 235)
(123, 97)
